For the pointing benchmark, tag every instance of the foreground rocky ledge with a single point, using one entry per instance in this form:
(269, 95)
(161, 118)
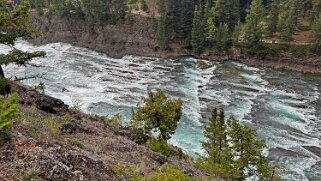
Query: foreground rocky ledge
(54, 142)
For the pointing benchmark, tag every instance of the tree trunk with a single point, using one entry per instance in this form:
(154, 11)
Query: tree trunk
(1, 72)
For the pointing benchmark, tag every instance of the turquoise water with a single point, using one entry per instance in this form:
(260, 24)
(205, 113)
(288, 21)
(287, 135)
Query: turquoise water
(283, 106)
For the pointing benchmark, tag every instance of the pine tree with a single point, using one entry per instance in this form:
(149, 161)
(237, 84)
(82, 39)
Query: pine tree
(120, 8)
(247, 151)
(289, 18)
(211, 26)
(254, 28)
(14, 23)
(316, 9)
(273, 16)
(143, 5)
(222, 37)
(158, 113)
(39, 5)
(216, 145)
(198, 32)
(233, 150)
(8, 111)
(97, 11)
(184, 23)
(236, 34)
(316, 35)
(227, 11)
(215, 132)
(163, 33)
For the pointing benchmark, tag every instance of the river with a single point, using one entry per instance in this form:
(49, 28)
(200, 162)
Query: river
(283, 106)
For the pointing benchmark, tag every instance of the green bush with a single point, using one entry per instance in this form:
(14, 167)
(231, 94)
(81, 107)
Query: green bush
(160, 146)
(276, 48)
(8, 111)
(77, 143)
(169, 172)
(300, 50)
(32, 175)
(5, 86)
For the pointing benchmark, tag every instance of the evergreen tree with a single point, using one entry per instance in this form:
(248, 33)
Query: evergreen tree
(144, 6)
(254, 29)
(39, 5)
(227, 11)
(222, 37)
(14, 23)
(237, 33)
(247, 151)
(198, 32)
(244, 6)
(273, 16)
(158, 113)
(216, 145)
(233, 150)
(316, 9)
(163, 33)
(289, 18)
(211, 26)
(316, 34)
(8, 111)
(184, 23)
(120, 8)
(98, 10)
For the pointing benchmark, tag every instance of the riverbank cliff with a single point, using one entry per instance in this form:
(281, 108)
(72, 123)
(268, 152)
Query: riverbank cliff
(139, 37)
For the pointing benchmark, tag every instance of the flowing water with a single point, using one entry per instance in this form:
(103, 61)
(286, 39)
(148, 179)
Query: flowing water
(283, 106)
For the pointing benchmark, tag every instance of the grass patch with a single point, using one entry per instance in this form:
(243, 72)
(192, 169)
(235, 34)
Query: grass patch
(133, 174)
(32, 175)
(169, 172)
(77, 143)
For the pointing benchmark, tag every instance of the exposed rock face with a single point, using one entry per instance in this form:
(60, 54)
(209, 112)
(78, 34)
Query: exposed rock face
(50, 105)
(138, 37)
(75, 126)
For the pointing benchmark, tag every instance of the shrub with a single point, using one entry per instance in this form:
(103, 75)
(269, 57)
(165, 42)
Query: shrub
(31, 175)
(160, 146)
(169, 172)
(300, 50)
(5, 86)
(77, 143)
(8, 111)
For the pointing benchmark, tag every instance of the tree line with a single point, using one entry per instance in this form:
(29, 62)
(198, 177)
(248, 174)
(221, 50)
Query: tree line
(217, 25)
(111, 11)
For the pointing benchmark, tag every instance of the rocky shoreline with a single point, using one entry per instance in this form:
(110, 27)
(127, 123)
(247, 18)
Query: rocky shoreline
(139, 37)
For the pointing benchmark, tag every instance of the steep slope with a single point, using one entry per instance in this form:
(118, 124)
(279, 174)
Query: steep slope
(52, 142)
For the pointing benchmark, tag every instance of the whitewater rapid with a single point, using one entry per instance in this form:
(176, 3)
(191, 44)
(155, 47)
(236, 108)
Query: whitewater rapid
(283, 106)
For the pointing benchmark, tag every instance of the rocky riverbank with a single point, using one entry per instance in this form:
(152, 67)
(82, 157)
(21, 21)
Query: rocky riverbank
(139, 37)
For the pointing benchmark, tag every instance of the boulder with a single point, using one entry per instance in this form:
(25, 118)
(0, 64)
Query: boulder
(51, 105)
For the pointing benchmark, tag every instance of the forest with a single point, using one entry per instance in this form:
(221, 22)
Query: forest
(257, 26)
